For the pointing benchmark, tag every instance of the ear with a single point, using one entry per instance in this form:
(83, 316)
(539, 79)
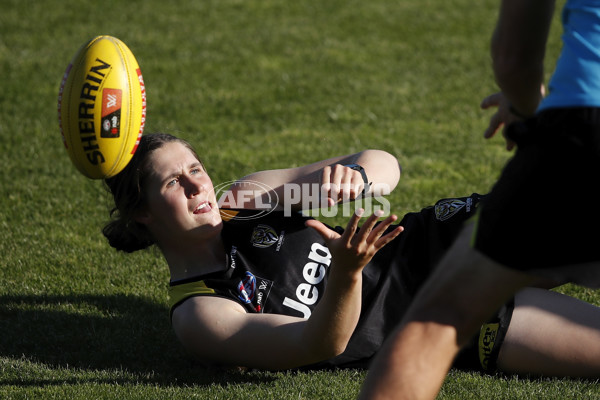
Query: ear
(143, 217)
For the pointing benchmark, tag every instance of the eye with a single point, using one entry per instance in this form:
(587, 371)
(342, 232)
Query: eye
(172, 182)
(196, 171)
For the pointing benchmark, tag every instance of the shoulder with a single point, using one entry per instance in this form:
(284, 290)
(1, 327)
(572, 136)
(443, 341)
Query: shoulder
(197, 314)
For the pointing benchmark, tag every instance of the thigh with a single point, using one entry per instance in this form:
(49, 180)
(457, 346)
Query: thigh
(552, 334)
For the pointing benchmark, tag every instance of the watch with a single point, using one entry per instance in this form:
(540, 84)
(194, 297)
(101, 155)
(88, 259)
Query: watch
(360, 169)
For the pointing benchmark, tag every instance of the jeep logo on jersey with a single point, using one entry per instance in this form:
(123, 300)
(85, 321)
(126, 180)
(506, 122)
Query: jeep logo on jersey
(445, 209)
(263, 236)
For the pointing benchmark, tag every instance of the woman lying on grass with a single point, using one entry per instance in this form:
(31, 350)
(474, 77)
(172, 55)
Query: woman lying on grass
(273, 289)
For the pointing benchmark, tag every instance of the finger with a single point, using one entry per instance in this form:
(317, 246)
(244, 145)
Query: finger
(326, 184)
(346, 185)
(333, 191)
(388, 237)
(510, 144)
(322, 229)
(366, 228)
(496, 122)
(340, 175)
(492, 100)
(357, 185)
(351, 185)
(352, 225)
(381, 228)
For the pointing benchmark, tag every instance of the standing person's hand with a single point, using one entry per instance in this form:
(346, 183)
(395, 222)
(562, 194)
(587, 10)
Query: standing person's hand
(501, 118)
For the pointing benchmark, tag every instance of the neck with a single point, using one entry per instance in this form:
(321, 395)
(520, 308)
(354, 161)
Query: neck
(197, 259)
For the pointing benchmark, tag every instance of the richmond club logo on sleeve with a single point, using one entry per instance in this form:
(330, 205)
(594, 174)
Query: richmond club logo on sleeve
(445, 209)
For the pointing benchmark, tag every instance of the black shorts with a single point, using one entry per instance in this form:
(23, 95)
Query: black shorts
(542, 212)
(481, 353)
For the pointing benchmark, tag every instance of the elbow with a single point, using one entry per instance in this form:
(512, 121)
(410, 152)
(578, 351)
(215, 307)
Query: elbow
(336, 348)
(383, 157)
(391, 164)
(326, 351)
(323, 348)
(382, 168)
(339, 349)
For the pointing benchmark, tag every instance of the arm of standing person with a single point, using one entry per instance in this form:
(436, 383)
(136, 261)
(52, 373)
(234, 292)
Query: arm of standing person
(220, 331)
(518, 48)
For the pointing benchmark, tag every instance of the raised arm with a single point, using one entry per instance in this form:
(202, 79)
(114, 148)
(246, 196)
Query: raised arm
(293, 186)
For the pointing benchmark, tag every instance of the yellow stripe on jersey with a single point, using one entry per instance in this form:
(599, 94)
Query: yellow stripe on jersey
(181, 292)
(227, 215)
(475, 219)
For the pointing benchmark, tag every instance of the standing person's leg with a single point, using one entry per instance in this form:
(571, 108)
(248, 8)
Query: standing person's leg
(456, 300)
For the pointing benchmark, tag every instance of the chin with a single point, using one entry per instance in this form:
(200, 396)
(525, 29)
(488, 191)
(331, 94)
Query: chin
(213, 218)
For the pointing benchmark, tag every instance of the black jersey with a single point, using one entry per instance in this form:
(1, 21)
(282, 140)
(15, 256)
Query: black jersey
(277, 265)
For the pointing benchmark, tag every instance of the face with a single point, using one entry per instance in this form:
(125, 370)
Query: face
(181, 202)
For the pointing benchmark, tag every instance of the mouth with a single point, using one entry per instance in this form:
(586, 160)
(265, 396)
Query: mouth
(203, 207)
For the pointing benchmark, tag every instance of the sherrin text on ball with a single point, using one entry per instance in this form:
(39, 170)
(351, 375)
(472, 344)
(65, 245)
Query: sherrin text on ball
(102, 107)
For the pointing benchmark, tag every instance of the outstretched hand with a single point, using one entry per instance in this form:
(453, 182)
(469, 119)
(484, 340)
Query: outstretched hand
(354, 249)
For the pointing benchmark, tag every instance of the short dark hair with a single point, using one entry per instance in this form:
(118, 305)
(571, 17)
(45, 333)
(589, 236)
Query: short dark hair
(127, 188)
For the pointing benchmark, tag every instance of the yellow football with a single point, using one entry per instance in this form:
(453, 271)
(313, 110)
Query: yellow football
(102, 107)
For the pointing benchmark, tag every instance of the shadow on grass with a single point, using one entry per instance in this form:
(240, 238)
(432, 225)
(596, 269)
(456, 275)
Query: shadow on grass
(124, 337)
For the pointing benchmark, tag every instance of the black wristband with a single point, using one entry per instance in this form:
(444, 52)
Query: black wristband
(360, 169)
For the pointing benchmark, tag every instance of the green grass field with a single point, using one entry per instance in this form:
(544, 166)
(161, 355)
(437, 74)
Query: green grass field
(253, 85)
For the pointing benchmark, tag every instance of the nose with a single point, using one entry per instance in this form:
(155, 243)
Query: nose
(192, 187)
